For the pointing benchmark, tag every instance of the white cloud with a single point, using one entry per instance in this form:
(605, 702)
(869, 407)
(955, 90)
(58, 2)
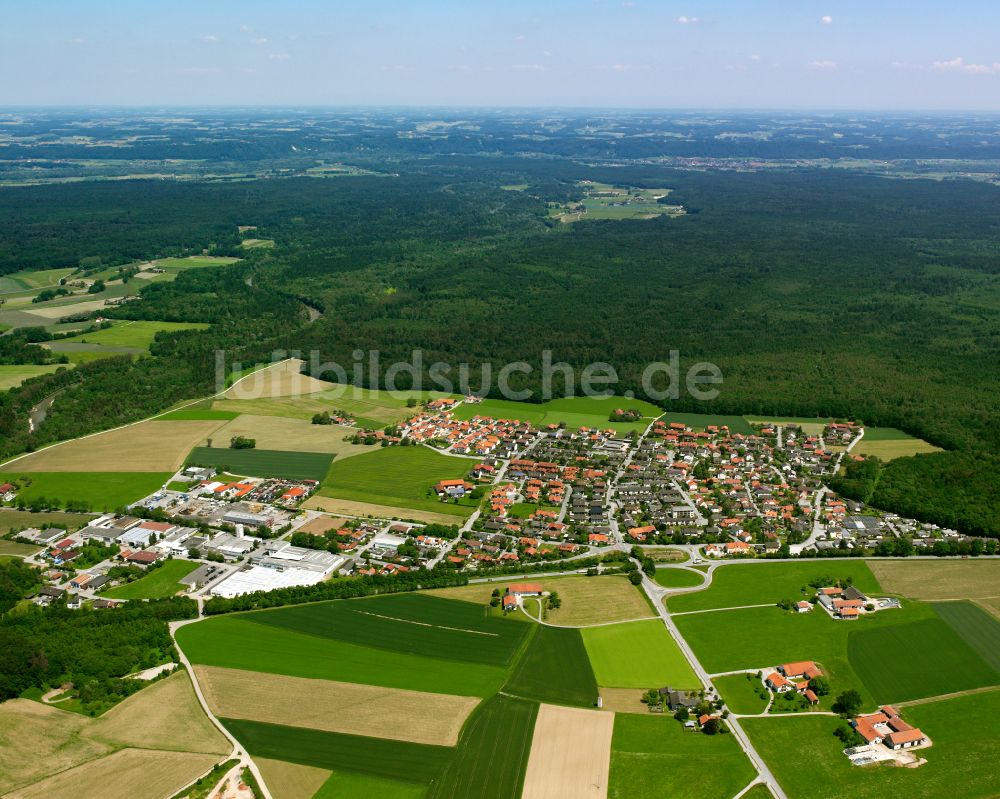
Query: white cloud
(629, 67)
(519, 37)
(279, 56)
(683, 20)
(755, 57)
(244, 28)
(77, 40)
(210, 39)
(959, 64)
(824, 65)
(260, 40)
(528, 68)
(547, 53)
(826, 19)
(199, 71)
(460, 68)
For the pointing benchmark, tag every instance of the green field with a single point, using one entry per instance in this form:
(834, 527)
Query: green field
(413, 624)
(492, 754)
(346, 783)
(398, 477)
(764, 582)
(699, 421)
(263, 462)
(13, 549)
(11, 519)
(637, 654)
(236, 643)
(928, 659)
(133, 334)
(198, 415)
(11, 376)
(378, 757)
(163, 581)
(975, 626)
(194, 261)
(103, 491)
(554, 669)
(740, 692)
(678, 578)
(654, 756)
(807, 759)
(575, 412)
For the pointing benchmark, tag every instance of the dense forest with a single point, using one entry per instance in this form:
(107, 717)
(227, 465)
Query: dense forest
(816, 292)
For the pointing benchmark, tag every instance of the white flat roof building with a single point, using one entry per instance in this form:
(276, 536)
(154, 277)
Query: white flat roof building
(262, 578)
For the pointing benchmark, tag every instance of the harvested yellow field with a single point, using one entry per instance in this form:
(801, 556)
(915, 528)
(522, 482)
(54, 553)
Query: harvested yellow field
(570, 754)
(992, 605)
(585, 600)
(290, 780)
(939, 579)
(352, 508)
(57, 311)
(127, 774)
(37, 740)
(335, 706)
(295, 435)
(323, 524)
(278, 380)
(887, 450)
(166, 715)
(155, 446)
(623, 700)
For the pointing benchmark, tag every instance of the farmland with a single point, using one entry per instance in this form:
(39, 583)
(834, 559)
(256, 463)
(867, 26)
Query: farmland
(151, 446)
(263, 462)
(808, 763)
(574, 412)
(654, 756)
(137, 335)
(11, 376)
(638, 654)
(294, 435)
(163, 581)
(101, 491)
(240, 644)
(290, 780)
(934, 580)
(414, 716)
(347, 783)
(399, 477)
(414, 624)
(761, 583)
(975, 627)
(570, 753)
(555, 668)
(584, 600)
(281, 379)
(742, 693)
(888, 443)
(356, 508)
(492, 756)
(11, 519)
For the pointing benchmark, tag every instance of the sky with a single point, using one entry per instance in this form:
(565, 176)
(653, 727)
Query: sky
(797, 54)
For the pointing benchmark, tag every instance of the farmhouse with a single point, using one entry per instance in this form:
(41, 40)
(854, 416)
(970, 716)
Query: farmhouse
(453, 488)
(777, 683)
(887, 728)
(803, 670)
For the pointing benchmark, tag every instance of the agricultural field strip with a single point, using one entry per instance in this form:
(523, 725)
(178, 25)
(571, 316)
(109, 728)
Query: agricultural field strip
(570, 753)
(426, 624)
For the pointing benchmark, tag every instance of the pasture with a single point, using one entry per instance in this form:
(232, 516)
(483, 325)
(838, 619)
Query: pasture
(575, 412)
(151, 446)
(13, 549)
(194, 261)
(11, 376)
(585, 600)
(764, 582)
(163, 581)
(33, 279)
(346, 783)
(398, 477)
(234, 642)
(492, 755)
(654, 756)
(570, 753)
(974, 626)
(638, 654)
(101, 491)
(137, 334)
(376, 711)
(292, 435)
(939, 579)
(555, 668)
(807, 759)
(334, 751)
(742, 692)
(413, 624)
(888, 443)
(678, 578)
(263, 462)
(198, 415)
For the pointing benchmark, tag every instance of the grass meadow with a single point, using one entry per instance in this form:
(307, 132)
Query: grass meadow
(263, 462)
(159, 583)
(678, 578)
(653, 755)
(554, 669)
(399, 477)
(102, 491)
(575, 412)
(976, 627)
(699, 421)
(11, 519)
(764, 582)
(347, 783)
(637, 654)
(742, 693)
(11, 376)
(807, 759)
(233, 642)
